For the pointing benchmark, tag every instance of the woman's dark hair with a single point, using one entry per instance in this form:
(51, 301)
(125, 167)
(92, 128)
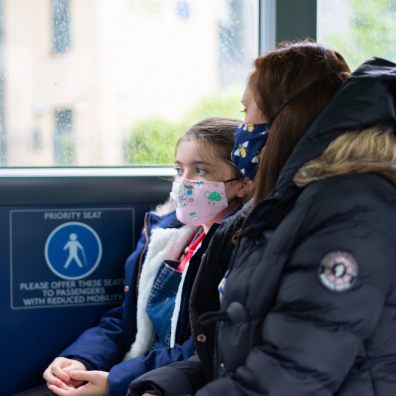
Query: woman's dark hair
(291, 85)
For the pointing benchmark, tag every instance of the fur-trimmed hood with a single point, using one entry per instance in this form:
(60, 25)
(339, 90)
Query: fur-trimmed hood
(372, 150)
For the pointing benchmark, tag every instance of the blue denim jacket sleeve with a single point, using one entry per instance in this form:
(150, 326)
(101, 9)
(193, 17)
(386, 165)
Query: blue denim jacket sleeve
(122, 374)
(104, 345)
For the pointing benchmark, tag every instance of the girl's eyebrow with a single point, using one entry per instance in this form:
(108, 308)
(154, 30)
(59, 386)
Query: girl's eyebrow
(195, 163)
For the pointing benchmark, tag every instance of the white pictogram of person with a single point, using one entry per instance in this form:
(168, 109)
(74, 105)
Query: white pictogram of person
(73, 245)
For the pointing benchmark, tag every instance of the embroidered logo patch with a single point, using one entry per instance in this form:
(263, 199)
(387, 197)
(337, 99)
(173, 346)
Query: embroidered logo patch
(338, 271)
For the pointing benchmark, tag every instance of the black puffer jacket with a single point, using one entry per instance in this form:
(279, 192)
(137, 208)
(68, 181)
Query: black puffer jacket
(310, 302)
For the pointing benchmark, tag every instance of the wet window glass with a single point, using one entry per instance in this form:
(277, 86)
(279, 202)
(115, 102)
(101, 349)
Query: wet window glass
(64, 140)
(114, 83)
(358, 29)
(60, 26)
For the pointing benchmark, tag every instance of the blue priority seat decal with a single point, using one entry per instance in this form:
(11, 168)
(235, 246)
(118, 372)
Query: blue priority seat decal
(73, 250)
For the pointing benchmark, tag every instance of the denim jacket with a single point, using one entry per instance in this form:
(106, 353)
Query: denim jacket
(104, 346)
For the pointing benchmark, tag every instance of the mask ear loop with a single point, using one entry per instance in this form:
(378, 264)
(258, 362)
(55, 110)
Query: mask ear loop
(233, 179)
(294, 96)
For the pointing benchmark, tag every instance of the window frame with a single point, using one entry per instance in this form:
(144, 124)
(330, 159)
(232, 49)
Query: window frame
(276, 26)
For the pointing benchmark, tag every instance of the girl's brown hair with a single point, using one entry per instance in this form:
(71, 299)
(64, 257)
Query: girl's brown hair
(216, 137)
(291, 85)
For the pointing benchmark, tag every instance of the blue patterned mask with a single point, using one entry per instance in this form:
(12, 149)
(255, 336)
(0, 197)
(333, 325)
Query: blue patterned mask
(249, 139)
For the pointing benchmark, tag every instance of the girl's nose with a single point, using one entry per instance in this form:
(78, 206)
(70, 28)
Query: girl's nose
(188, 174)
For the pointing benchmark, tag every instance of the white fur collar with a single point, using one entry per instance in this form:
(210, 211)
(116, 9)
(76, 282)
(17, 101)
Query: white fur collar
(165, 243)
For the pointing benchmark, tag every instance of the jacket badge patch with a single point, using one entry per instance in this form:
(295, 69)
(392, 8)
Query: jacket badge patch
(338, 271)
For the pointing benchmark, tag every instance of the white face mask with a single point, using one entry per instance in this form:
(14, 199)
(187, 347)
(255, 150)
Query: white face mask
(198, 201)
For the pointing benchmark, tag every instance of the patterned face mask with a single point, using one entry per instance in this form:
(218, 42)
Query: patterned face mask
(198, 201)
(249, 140)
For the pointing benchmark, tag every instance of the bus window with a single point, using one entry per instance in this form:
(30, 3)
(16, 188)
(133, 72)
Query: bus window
(113, 83)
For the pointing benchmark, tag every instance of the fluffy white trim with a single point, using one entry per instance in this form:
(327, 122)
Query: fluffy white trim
(165, 244)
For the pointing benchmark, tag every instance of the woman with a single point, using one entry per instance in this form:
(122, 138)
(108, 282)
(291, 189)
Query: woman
(309, 303)
(151, 328)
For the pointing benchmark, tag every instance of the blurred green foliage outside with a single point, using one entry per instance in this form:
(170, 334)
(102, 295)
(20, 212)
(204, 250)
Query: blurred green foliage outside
(151, 141)
(371, 32)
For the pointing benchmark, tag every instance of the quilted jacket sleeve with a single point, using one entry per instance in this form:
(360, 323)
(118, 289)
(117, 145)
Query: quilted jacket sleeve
(122, 374)
(181, 378)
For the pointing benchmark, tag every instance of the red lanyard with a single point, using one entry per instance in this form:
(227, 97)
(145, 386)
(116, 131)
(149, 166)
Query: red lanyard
(189, 251)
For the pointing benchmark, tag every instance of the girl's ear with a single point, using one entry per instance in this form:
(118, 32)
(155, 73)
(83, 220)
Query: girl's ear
(246, 188)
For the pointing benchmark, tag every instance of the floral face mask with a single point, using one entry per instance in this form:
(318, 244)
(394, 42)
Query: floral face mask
(198, 201)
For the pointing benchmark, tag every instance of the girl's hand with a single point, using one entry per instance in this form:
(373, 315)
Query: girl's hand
(57, 373)
(96, 384)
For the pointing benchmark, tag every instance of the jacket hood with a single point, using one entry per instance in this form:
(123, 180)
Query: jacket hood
(365, 99)
(371, 150)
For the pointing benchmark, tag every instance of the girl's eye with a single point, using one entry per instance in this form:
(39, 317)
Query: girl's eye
(201, 171)
(179, 171)
(243, 111)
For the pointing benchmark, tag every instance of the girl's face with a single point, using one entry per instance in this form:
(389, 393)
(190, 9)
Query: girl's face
(253, 115)
(194, 162)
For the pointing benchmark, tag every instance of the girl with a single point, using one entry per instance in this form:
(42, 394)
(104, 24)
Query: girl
(152, 330)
